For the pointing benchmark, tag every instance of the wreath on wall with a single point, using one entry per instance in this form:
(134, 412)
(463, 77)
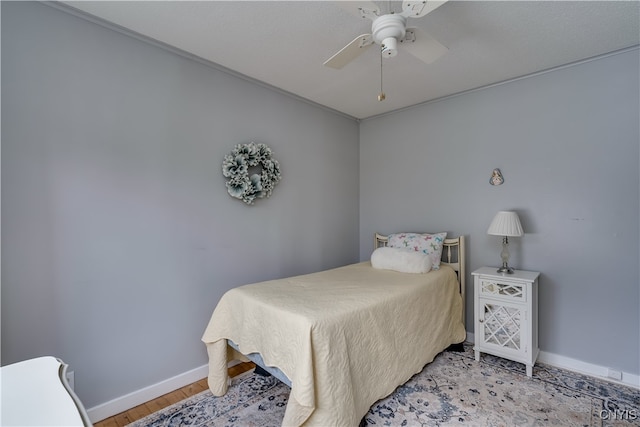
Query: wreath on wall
(251, 172)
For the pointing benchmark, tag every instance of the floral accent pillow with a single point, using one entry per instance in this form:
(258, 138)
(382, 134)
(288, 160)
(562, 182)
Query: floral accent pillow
(429, 244)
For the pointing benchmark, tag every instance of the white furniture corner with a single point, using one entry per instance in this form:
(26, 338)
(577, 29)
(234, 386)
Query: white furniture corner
(506, 315)
(35, 392)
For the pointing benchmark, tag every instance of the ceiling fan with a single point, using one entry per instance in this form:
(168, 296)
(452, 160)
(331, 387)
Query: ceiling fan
(387, 30)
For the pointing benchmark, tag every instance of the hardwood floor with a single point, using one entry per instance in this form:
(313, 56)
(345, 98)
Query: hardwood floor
(141, 411)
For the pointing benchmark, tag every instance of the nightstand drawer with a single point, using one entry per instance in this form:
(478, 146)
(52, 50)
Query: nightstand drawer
(503, 290)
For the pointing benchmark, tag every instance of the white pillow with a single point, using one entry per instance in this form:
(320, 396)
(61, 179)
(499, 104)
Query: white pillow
(402, 260)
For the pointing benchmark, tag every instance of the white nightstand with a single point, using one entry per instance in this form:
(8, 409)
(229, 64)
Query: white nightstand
(506, 315)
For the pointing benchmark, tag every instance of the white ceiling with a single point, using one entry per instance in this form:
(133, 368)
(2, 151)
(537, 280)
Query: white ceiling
(284, 43)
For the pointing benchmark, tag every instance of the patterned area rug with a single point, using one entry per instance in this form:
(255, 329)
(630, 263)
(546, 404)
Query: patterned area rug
(452, 390)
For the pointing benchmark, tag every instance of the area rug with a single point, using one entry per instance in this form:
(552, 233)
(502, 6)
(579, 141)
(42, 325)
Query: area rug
(453, 390)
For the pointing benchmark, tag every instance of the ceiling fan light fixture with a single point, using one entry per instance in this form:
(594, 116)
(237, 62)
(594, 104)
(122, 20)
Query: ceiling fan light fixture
(389, 47)
(387, 30)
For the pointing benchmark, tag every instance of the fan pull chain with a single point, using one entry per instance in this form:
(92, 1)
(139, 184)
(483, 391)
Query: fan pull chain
(381, 95)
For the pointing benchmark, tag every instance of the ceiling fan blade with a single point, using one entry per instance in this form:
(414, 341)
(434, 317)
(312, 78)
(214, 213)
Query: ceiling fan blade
(422, 46)
(350, 51)
(419, 8)
(361, 9)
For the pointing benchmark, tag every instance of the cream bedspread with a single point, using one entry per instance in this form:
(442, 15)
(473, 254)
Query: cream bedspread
(345, 337)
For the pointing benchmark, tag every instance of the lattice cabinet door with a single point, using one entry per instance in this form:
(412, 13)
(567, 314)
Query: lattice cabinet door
(506, 315)
(501, 326)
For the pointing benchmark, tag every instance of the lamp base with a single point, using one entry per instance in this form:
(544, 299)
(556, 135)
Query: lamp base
(505, 269)
(505, 257)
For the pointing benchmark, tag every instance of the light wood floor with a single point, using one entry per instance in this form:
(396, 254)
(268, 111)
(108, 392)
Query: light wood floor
(141, 411)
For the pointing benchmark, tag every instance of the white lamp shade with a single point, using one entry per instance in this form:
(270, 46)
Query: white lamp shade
(506, 223)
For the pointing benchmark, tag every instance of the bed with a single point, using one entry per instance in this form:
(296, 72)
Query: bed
(342, 338)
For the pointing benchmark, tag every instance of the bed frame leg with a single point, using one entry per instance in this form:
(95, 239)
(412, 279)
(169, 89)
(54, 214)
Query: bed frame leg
(261, 371)
(456, 347)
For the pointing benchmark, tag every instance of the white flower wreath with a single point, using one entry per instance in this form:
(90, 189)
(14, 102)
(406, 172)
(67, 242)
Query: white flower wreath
(243, 186)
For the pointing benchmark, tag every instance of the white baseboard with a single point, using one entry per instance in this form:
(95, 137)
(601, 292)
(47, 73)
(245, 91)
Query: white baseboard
(128, 401)
(598, 371)
(602, 372)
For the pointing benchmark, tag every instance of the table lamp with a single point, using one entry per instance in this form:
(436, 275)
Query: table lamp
(505, 224)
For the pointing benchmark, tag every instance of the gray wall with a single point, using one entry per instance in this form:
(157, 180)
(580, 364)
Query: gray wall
(567, 143)
(118, 235)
